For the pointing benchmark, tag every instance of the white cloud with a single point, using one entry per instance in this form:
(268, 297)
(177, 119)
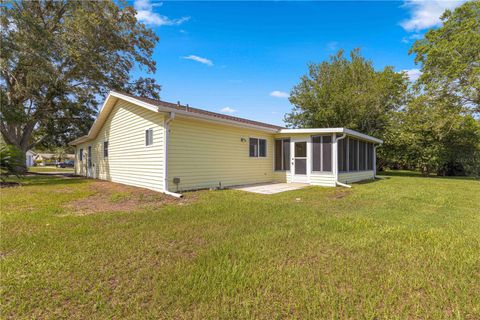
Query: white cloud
(413, 74)
(426, 14)
(193, 57)
(279, 94)
(228, 110)
(146, 14)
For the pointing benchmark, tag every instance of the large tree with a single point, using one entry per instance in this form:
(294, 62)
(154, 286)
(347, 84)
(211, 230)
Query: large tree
(349, 93)
(434, 136)
(450, 56)
(60, 58)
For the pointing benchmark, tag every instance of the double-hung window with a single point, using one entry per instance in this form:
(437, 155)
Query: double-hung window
(257, 148)
(282, 154)
(80, 155)
(148, 137)
(322, 153)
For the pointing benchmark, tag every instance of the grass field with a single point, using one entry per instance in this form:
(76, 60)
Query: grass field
(49, 169)
(404, 247)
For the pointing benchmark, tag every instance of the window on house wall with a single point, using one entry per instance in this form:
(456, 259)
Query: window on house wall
(257, 148)
(80, 155)
(353, 154)
(148, 137)
(362, 155)
(89, 156)
(322, 153)
(105, 149)
(282, 154)
(342, 155)
(369, 156)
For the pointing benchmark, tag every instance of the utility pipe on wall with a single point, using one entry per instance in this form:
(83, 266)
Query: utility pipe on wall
(165, 157)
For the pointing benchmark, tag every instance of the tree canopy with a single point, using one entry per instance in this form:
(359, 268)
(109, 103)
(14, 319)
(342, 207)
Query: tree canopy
(431, 125)
(450, 56)
(58, 61)
(349, 93)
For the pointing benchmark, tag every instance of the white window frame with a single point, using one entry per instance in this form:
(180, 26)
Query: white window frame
(322, 171)
(146, 137)
(108, 147)
(281, 151)
(258, 148)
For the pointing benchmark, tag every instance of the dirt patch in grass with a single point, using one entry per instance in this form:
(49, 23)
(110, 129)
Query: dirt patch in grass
(339, 194)
(115, 197)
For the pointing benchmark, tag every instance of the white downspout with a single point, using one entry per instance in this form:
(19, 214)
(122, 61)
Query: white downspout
(336, 162)
(165, 157)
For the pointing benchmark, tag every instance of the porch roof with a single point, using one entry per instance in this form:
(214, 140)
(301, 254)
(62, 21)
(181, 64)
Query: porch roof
(346, 131)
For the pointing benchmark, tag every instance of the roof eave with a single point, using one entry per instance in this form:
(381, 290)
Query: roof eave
(332, 130)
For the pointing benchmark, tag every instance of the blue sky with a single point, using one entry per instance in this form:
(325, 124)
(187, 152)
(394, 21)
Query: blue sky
(243, 58)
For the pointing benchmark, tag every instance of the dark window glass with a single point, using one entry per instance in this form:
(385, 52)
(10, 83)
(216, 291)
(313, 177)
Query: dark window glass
(253, 152)
(342, 155)
(286, 154)
(300, 166)
(105, 149)
(148, 137)
(355, 163)
(278, 155)
(361, 155)
(89, 156)
(80, 156)
(369, 156)
(300, 149)
(351, 154)
(326, 153)
(262, 147)
(316, 156)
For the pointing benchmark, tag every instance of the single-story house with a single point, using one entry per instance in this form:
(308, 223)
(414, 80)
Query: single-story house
(45, 159)
(171, 148)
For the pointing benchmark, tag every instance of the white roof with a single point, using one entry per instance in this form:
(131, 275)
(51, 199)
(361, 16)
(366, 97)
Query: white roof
(346, 131)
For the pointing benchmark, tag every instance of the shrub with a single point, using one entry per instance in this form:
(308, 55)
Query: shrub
(11, 161)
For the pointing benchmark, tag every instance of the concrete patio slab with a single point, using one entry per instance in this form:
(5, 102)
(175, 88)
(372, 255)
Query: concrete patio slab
(271, 188)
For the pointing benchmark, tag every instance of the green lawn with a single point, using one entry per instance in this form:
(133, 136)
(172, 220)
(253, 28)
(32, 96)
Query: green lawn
(49, 169)
(401, 247)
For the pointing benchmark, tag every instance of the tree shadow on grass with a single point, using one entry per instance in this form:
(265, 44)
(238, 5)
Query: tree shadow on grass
(369, 181)
(416, 174)
(44, 180)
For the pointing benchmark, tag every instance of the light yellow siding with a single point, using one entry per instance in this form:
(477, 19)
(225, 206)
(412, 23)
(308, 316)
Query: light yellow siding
(129, 161)
(281, 176)
(206, 155)
(350, 177)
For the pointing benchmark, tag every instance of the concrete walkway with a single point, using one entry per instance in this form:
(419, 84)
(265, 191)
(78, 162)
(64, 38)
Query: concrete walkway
(272, 188)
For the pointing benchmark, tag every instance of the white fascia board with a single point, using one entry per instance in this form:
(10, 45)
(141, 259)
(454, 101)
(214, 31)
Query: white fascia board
(135, 101)
(313, 130)
(332, 130)
(362, 136)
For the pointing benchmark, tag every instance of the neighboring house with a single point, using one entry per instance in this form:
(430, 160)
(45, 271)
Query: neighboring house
(44, 159)
(30, 158)
(171, 148)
